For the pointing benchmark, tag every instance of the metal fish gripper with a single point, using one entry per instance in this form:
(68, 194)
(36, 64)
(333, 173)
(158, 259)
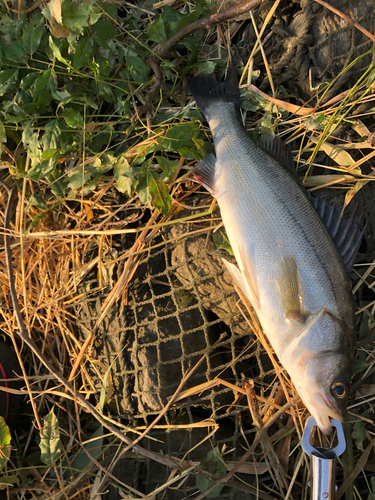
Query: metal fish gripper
(323, 461)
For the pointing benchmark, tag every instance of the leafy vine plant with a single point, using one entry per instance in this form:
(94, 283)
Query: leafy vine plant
(72, 78)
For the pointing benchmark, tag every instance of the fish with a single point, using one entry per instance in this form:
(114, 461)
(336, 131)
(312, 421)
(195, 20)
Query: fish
(293, 251)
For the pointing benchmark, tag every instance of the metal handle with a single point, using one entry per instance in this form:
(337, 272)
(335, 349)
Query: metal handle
(323, 461)
(323, 471)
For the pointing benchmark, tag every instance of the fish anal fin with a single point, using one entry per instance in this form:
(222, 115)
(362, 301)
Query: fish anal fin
(205, 172)
(241, 282)
(290, 290)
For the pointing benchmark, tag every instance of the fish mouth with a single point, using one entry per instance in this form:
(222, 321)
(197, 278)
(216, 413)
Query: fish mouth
(322, 411)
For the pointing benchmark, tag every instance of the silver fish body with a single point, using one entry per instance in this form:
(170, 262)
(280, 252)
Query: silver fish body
(289, 267)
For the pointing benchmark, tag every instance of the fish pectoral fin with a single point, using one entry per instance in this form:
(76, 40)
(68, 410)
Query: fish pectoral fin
(248, 271)
(205, 172)
(290, 290)
(312, 318)
(243, 283)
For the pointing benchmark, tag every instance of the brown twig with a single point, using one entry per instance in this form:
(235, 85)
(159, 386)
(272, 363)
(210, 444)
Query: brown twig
(26, 11)
(346, 18)
(23, 333)
(162, 49)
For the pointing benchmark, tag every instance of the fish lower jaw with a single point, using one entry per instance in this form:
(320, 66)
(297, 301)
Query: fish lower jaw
(322, 411)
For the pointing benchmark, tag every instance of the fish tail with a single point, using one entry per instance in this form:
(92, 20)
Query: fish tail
(207, 91)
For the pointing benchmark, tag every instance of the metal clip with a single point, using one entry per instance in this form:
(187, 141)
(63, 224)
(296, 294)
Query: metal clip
(323, 461)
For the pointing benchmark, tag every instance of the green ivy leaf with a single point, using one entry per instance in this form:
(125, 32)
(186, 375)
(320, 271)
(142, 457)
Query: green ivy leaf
(29, 80)
(125, 176)
(364, 328)
(48, 154)
(155, 31)
(159, 192)
(41, 168)
(11, 26)
(221, 241)
(105, 92)
(136, 70)
(359, 366)
(15, 51)
(96, 12)
(75, 14)
(204, 7)
(78, 179)
(8, 80)
(52, 135)
(59, 95)
(170, 15)
(57, 182)
(103, 31)
(34, 149)
(214, 464)
(359, 433)
(56, 52)
(152, 190)
(32, 34)
(183, 298)
(30, 140)
(79, 99)
(252, 102)
(5, 447)
(193, 44)
(73, 118)
(43, 85)
(84, 52)
(3, 135)
(168, 167)
(7, 481)
(206, 68)
(104, 66)
(37, 201)
(102, 139)
(142, 187)
(176, 26)
(50, 443)
(178, 136)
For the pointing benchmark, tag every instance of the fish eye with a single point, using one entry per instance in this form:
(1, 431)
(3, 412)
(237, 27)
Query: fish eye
(339, 389)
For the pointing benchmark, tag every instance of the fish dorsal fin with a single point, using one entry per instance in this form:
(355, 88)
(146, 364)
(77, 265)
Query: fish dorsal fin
(290, 290)
(346, 232)
(279, 151)
(205, 172)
